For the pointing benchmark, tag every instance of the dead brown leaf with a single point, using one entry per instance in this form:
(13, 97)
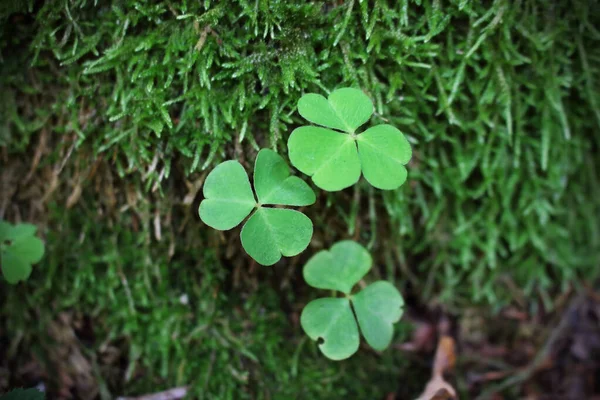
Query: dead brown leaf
(445, 358)
(39, 151)
(75, 195)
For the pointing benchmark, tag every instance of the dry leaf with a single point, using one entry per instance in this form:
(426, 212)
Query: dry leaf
(445, 359)
(445, 356)
(438, 389)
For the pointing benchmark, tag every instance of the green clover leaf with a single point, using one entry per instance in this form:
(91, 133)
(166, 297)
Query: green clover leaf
(378, 307)
(339, 268)
(19, 249)
(228, 196)
(23, 394)
(331, 319)
(270, 232)
(335, 157)
(346, 109)
(337, 321)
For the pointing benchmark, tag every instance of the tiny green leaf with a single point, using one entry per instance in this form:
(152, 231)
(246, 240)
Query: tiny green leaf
(228, 196)
(19, 249)
(377, 308)
(335, 159)
(28, 248)
(383, 152)
(331, 320)
(339, 268)
(23, 394)
(274, 185)
(328, 156)
(5, 231)
(273, 232)
(21, 230)
(346, 109)
(15, 268)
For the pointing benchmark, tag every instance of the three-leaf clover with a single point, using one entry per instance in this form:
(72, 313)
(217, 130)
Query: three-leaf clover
(19, 249)
(337, 320)
(335, 157)
(270, 232)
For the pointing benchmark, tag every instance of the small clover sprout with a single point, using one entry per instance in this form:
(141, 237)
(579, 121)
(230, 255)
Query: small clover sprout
(270, 232)
(335, 157)
(337, 321)
(19, 249)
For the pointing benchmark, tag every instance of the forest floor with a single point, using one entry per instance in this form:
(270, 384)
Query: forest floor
(113, 113)
(514, 354)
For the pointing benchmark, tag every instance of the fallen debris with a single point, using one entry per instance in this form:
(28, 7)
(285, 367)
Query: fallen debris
(445, 358)
(171, 394)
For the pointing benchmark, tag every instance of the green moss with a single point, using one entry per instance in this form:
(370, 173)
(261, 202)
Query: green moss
(499, 101)
(177, 321)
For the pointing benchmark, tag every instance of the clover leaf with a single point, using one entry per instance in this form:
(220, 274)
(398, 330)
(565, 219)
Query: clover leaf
(270, 232)
(337, 321)
(19, 249)
(335, 157)
(23, 394)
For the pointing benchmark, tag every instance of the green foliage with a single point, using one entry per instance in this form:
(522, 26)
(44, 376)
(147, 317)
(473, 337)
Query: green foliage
(331, 321)
(334, 160)
(228, 196)
(23, 394)
(19, 249)
(161, 320)
(499, 99)
(339, 268)
(377, 307)
(345, 109)
(270, 232)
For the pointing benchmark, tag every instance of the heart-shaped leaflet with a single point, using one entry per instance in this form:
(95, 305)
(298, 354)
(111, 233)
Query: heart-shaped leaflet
(339, 268)
(275, 185)
(378, 307)
(273, 232)
(346, 109)
(332, 320)
(228, 197)
(20, 248)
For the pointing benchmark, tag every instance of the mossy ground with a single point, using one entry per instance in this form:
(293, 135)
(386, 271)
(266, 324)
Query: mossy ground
(144, 320)
(112, 112)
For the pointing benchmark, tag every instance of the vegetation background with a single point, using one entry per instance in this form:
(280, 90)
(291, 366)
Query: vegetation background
(113, 112)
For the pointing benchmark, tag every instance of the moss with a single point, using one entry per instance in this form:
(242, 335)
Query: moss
(129, 103)
(175, 321)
